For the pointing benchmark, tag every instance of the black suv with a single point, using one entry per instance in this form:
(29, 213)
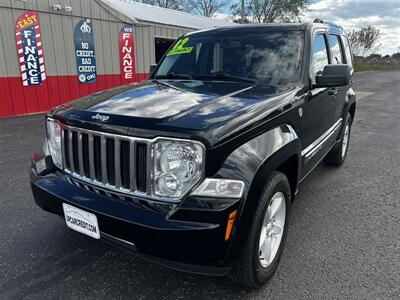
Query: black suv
(197, 167)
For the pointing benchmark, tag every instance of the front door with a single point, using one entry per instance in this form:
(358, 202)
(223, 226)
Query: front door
(319, 121)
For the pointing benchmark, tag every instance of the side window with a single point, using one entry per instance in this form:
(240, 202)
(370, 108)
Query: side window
(320, 54)
(217, 64)
(336, 49)
(346, 44)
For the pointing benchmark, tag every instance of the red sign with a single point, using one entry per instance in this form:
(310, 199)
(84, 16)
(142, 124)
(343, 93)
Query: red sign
(127, 54)
(30, 49)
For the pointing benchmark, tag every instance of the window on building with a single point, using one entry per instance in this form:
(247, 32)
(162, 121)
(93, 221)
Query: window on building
(336, 49)
(161, 46)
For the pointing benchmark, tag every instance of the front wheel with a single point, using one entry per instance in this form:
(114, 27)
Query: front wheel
(337, 155)
(267, 234)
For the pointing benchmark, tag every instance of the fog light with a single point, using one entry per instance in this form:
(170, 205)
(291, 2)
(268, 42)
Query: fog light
(167, 184)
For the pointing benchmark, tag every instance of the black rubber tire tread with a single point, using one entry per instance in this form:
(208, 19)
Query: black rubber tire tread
(334, 157)
(249, 271)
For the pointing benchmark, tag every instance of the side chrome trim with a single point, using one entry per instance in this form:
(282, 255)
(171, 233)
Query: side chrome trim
(317, 91)
(312, 169)
(315, 146)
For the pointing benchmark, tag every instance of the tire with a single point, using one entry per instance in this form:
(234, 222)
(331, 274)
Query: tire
(253, 270)
(337, 156)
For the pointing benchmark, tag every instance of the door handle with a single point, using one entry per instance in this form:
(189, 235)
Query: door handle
(333, 92)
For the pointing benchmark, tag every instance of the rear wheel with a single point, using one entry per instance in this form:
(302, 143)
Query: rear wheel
(267, 234)
(337, 155)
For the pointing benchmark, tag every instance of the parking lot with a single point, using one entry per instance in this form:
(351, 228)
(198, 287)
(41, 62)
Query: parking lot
(343, 240)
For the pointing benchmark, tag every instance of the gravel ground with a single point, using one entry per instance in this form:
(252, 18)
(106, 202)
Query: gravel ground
(343, 240)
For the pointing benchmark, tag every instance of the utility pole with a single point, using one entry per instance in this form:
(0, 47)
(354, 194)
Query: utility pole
(242, 12)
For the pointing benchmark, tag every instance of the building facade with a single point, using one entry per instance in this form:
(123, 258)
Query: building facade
(54, 51)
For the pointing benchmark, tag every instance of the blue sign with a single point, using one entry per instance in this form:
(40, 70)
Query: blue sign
(84, 51)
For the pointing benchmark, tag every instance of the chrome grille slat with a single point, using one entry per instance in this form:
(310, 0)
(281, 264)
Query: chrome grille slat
(97, 166)
(103, 160)
(117, 162)
(71, 151)
(91, 157)
(148, 170)
(63, 148)
(80, 154)
(132, 170)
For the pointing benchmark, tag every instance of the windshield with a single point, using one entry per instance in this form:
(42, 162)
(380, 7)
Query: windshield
(262, 56)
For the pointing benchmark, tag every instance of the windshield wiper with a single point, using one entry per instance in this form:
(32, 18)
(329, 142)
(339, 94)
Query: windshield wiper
(222, 75)
(172, 75)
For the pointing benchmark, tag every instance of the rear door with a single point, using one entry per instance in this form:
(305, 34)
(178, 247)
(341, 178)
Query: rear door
(320, 111)
(338, 57)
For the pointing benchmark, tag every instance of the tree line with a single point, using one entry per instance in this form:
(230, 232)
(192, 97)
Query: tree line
(255, 11)
(364, 41)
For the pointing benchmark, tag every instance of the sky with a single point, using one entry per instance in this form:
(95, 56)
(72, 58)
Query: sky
(352, 14)
(355, 14)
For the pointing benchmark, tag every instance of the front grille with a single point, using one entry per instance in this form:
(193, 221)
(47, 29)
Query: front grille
(112, 161)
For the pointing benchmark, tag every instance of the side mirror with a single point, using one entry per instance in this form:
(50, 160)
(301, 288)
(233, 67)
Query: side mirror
(334, 75)
(152, 68)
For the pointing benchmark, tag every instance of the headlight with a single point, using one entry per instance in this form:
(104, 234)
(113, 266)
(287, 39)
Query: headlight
(54, 141)
(178, 166)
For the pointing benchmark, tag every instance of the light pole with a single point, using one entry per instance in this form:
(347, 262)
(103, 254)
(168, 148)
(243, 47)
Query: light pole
(242, 12)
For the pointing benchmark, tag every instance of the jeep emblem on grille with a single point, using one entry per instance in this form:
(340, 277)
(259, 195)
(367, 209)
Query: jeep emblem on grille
(101, 118)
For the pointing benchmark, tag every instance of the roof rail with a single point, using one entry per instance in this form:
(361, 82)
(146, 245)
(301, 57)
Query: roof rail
(317, 20)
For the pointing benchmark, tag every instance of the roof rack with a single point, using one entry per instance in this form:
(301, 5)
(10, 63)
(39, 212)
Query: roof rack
(318, 20)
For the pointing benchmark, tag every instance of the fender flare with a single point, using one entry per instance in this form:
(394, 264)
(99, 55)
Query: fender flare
(349, 103)
(246, 161)
(251, 163)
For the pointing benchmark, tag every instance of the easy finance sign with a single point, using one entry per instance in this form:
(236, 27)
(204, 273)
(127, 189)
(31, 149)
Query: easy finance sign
(127, 54)
(30, 49)
(84, 51)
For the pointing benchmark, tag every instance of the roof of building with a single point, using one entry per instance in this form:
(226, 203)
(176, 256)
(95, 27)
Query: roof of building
(149, 13)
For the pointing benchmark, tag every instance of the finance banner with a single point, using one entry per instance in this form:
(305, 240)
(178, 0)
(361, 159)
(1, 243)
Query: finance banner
(127, 54)
(30, 49)
(84, 51)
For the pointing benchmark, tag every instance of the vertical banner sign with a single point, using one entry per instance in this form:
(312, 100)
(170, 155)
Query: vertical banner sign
(84, 51)
(127, 54)
(30, 49)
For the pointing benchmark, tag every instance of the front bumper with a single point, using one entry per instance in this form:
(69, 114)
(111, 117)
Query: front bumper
(187, 238)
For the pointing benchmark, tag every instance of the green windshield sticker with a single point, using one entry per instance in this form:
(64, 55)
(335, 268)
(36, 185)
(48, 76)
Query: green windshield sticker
(180, 48)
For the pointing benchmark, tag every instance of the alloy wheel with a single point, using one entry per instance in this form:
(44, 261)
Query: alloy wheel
(272, 229)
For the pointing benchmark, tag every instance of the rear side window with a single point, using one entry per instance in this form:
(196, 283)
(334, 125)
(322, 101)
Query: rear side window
(336, 49)
(320, 54)
(347, 51)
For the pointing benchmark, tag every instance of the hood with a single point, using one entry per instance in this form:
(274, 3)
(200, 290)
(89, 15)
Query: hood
(209, 111)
